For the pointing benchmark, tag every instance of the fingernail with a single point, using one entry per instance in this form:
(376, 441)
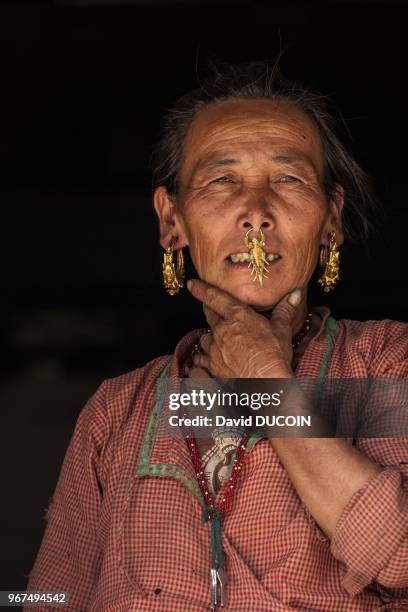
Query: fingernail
(295, 297)
(189, 284)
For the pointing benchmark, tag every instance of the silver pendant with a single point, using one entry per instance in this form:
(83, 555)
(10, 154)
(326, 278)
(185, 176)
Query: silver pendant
(219, 580)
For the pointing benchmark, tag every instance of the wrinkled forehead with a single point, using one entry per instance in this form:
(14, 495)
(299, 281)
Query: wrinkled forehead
(239, 125)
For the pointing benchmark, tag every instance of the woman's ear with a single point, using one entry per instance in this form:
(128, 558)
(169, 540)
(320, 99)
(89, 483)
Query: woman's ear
(334, 223)
(170, 225)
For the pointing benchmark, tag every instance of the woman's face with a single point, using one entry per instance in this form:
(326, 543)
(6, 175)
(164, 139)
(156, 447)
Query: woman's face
(251, 163)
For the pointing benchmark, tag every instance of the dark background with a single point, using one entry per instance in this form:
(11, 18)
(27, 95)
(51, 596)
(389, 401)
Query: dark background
(83, 87)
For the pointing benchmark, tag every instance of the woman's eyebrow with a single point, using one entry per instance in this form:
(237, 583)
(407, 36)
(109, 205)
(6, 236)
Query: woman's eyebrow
(296, 160)
(211, 163)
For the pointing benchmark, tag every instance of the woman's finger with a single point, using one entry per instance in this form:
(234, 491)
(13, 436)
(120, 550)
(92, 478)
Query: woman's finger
(205, 342)
(222, 302)
(212, 318)
(202, 360)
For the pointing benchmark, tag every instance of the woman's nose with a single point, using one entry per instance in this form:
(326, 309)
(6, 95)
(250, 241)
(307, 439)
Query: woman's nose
(257, 224)
(258, 210)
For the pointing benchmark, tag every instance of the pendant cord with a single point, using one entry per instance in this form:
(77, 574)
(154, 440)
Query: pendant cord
(217, 552)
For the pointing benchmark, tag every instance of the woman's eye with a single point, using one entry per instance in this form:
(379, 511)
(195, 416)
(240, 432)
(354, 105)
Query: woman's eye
(288, 179)
(222, 179)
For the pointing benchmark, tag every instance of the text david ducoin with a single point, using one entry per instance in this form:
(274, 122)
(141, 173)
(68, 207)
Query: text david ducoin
(249, 421)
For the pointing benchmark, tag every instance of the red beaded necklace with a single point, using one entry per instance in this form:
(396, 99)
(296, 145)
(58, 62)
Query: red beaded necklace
(226, 500)
(215, 512)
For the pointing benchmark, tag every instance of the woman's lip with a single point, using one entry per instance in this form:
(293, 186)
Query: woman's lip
(266, 253)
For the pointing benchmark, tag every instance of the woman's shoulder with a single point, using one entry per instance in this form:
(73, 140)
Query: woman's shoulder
(122, 405)
(377, 333)
(383, 344)
(125, 385)
(120, 399)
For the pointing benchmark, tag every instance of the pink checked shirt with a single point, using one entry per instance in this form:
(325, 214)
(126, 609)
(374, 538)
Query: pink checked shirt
(125, 532)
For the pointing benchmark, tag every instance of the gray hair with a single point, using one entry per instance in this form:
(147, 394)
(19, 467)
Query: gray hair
(263, 80)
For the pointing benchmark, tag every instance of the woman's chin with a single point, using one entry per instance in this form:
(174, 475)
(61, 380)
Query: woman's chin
(260, 297)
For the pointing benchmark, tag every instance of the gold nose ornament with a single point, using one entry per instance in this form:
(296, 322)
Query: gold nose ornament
(258, 262)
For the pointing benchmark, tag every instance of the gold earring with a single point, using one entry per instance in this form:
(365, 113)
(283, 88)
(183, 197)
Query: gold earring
(329, 261)
(173, 278)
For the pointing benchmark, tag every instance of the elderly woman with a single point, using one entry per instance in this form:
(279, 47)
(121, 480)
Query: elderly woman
(251, 177)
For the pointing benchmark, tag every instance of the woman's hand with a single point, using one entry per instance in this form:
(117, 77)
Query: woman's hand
(243, 343)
